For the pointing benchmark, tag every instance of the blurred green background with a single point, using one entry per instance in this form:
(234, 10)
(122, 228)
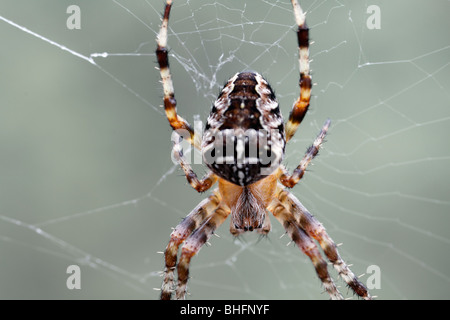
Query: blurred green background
(85, 170)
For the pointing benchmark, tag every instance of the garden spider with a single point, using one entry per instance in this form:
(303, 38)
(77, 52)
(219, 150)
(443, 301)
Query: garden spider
(251, 179)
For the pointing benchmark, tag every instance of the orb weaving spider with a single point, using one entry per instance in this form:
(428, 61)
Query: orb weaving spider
(252, 182)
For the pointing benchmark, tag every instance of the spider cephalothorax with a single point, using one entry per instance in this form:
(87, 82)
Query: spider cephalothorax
(243, 147)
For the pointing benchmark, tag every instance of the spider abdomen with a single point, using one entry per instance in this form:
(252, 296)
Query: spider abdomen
(244, 135)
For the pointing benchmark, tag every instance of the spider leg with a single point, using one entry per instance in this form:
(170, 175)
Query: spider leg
(307, 245)
(170, 104)
(194, 243)
(316, 230)
(291, 180)
(301, 105)
(200, 185)
(179, 234)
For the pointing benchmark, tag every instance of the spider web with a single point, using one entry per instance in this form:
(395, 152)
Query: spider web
(85, 147)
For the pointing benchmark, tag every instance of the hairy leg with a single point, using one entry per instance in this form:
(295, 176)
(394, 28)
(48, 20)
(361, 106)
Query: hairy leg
(194, 243)
(170, 104)
(291, 180)
(307, 245)
(302, 104)
(316, 230)
(179, 234)
(200, 185)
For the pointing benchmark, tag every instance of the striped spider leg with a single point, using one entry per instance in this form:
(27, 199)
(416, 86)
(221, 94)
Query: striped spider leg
(170, 103)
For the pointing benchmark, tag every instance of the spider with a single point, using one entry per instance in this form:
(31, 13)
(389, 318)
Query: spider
(243, 147)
